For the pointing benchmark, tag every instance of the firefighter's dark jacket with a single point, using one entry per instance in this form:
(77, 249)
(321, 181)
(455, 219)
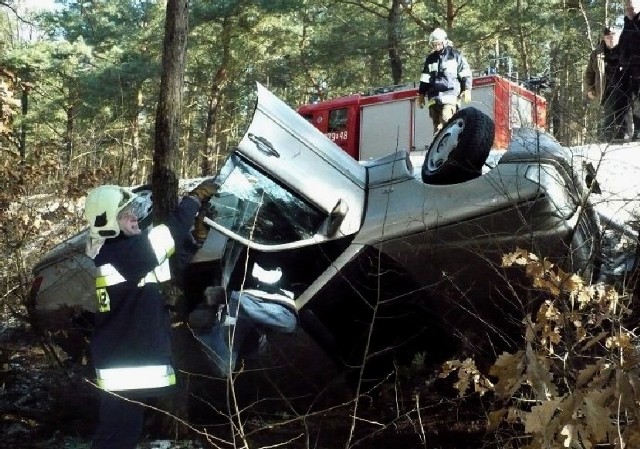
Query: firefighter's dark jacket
(132, 326)
(445, 74)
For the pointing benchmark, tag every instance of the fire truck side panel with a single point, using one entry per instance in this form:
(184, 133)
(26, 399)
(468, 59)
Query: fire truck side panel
(422, 128)
(399, 124)
(483, 98)
(388, 128)
(371, 126)
(530, 108)
(502, 93)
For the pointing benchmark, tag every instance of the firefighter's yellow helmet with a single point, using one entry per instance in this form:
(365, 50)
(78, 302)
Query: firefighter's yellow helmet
(101, 209)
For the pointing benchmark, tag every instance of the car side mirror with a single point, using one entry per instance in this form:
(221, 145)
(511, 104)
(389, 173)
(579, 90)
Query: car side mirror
(336, 217)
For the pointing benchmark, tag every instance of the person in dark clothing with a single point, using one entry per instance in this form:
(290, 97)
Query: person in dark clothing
(263, 304)
(629, 47)
(446, 80)
(605, 82)
(130, 345)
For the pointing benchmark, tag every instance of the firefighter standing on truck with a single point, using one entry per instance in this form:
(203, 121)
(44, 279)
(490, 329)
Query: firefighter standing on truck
(445, 81)
(130, 345)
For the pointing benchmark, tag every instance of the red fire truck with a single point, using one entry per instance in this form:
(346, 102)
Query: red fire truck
(371, 125)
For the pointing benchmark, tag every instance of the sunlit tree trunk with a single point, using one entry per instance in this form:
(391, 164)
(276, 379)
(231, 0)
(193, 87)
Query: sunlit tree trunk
(218, 81)
(169, 111)
(394, 30)
(134, 160)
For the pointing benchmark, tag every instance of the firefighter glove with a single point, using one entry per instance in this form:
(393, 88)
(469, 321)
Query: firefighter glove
(465, 96)
(420, 101)
(200, 228)
(205, 190)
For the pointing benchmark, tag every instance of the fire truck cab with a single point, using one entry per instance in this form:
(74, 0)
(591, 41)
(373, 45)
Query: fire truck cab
(375, 124)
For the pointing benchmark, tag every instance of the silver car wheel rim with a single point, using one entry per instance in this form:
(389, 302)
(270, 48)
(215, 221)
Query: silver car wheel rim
(446, 143)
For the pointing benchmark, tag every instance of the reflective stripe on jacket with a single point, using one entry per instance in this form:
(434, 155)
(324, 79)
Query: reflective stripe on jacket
(136, 378)
(266, 285)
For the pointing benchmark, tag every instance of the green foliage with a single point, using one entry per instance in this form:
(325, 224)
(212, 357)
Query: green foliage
(95, 71)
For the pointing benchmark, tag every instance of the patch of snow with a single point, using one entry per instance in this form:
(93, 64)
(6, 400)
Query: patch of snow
(618, 175)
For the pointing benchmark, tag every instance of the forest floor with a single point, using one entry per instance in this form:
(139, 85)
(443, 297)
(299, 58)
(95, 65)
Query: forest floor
(47, 405)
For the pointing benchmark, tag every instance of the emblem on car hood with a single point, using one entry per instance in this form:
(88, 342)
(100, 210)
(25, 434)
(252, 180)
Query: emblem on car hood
(263, 145)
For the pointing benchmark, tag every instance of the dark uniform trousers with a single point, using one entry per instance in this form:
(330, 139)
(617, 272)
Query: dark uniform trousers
(120, 423)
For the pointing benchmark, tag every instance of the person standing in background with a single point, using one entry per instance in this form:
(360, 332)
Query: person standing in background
(604, 82)
(445, 81)
(629, 48)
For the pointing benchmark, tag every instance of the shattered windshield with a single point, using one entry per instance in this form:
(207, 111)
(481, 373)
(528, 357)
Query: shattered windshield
(256, 208)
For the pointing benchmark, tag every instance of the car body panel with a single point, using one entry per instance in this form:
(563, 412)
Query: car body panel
(66, 277)
(402, 205)
(445, 244)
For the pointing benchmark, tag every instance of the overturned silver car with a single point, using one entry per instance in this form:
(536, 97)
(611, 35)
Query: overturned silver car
(380, 263)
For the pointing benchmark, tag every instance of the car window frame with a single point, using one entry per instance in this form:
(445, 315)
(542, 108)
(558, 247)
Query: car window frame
(228, 168)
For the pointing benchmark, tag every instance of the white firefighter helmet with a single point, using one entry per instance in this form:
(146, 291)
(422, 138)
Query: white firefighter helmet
(438, 35)
(101, 209)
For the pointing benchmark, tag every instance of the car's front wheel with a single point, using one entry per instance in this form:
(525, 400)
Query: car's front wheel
(460, 149)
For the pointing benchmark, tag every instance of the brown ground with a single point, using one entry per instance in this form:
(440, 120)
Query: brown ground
(46, 405)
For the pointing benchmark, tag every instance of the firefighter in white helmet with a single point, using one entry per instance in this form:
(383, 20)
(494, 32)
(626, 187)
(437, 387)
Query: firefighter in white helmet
(445, 81)
(130, 345)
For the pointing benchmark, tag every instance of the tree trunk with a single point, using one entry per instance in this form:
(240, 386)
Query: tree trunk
(451, 14)
(394, 23)
(134, 175)
(522, 44)
(24, 126)
(218, 81)
(169, 111)
(166, 158)
(68, 137)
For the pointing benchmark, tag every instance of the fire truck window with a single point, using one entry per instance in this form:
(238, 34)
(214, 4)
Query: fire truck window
(308, 117)
(337, 120)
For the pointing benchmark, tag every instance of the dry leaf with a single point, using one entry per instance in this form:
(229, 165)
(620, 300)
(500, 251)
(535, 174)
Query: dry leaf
(495, 418)
(538, 419)
(508, 368)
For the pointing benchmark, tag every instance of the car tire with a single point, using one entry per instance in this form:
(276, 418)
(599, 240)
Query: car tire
(460, 149)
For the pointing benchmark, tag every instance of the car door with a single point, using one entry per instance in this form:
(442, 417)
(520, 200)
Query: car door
(287, 185)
